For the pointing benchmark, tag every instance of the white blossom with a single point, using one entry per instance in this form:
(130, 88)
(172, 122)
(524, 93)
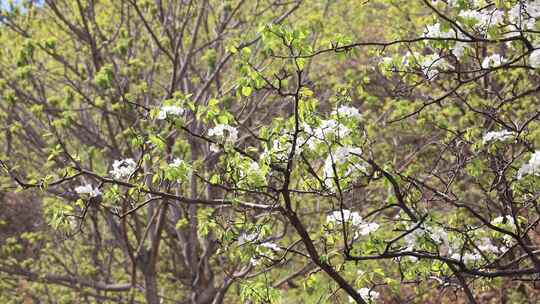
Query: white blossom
(487, 246)
(340, 157)
(177, 162)
(467, 257)
(336, 217)
(508, 240)
(345, 111)
(459, 49)
(485, 17)
(435, 31)
(430, 64)
(169, 110)
(226, 132)
(532, 167)
(88, 189)
(367, 294)
(523, 15)
(327, 128)
(534, 59)
(386, 61)
(507, 219)
(331, 127)
(359, 225)
(497, 136)
(214, 147)
(367, 228)
(123, 168)
(493, 61)
(422, 232)
(246, 238)
(271, 246)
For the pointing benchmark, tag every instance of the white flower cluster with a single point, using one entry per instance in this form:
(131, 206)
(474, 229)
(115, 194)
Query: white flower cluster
(429, 64)
(343, 156)
(485, 246)
(88, 190)
(435, 31)
(280, 149)
(520, 17)
(327, 128)
(494, 60)
(421, 233)
(504, 220)
(534, 59)
(363, 228)
(169, 110)
(485, 17)
(178, 170)
(523, 14)
(532, 167)
(497, 136)
(227, 133)
(123, 168)
(367, 294)
(262, 248)
(346, 111)
(331, 127)
(271, 246)
(451, 249)
(177, 162)
(245, 238)
(348, 216)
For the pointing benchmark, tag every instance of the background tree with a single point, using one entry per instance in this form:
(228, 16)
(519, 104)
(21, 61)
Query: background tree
(267, 151)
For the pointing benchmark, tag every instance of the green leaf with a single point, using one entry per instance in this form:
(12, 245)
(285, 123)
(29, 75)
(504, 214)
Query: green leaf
(246, 91)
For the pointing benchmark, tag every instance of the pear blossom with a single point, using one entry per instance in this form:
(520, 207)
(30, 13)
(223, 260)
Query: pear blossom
(519, 18)
(485, 17)
(435, 31)
(336, 217)
(467, 257)
(534, 59)
(88, 189)
(347, 216)
(367, 228)
(169, 110)
(507, 219)
(532, 167)
(180, 170)
(523, 14)
(493, 61)
(340, 157)
(246, 238)
(386, 61)
(345, 111)
(123, 168)
(331, 127)
(224, 131)
(177, 162)
(367, 294)
(487, 246)
(497, 136)
(436, 234)
(327, 128)
(431, 63)
(459, 49)
(214, 148)
(271, 246)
